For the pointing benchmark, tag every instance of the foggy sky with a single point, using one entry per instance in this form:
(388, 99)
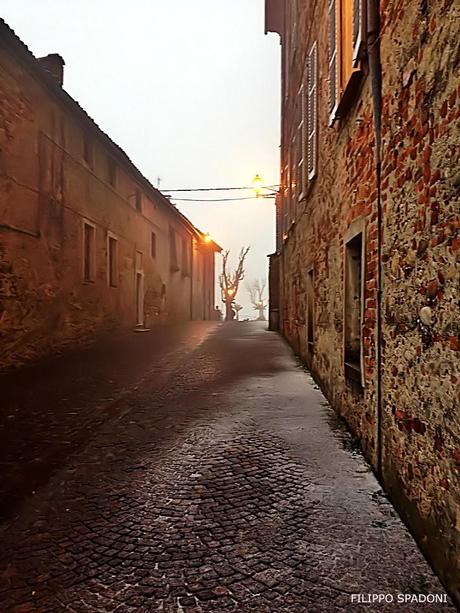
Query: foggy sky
(189, 89)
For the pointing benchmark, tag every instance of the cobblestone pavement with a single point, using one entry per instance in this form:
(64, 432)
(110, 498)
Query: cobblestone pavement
(226, 486)
(48, 410)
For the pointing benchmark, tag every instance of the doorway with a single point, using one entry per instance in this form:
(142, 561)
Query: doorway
(139, 299)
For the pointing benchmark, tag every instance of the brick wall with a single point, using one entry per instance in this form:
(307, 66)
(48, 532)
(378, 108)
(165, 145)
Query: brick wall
(421, 189)
(412, 437)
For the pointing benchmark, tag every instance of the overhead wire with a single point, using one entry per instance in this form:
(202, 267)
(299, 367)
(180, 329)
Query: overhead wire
(220, 199)
(215, 189)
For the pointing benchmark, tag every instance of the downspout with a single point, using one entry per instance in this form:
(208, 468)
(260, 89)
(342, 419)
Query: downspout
(375, 72)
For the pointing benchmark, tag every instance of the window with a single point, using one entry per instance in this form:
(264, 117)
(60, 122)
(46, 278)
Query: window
(139, 200)
(285, 201)
(312, 112)
(112, 172)
(89, 252)
(300, 140)
(346, 39)
(294, 193)
(307, 130)
(153, 245)
(172, 251)
(310, 311)
(112, 261)
(354, 289)
(185, 258)
(139, 261)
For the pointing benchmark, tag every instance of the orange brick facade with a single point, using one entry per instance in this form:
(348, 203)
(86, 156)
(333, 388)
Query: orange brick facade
(368, 238)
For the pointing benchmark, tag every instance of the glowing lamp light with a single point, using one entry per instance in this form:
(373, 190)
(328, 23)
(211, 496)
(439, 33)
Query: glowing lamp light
(230, 291)
(257, 184)
(207, 238)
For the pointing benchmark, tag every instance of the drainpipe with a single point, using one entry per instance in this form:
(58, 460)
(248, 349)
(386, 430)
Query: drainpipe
(375, 72)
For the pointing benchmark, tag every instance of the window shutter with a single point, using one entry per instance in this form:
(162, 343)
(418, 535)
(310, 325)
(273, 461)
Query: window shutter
(333, 57)
(300, 158)
(293, 178)
(359, 20)
(304, 102)
(312, 111)
(286, 195)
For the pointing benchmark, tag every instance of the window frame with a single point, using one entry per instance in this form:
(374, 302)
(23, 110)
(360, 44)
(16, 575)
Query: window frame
(173, 260)
(113, 268)
(88, 268)
(312, 121)
(300, 143)
(347, 55)
(356, 229)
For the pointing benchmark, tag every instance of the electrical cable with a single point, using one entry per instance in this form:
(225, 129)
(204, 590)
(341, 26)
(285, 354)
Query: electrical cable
(218, 199)
(215, 189)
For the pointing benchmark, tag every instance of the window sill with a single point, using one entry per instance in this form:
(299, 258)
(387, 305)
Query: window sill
(353, 372)
(306, 192)
(348, 96)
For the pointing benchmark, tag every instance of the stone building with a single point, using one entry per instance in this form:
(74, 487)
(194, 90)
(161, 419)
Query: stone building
(87, 244)
(367, 259)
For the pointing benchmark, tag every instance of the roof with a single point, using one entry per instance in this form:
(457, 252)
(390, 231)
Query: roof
(8, 38)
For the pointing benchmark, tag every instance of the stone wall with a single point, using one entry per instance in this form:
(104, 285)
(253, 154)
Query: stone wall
(411, 437)
(57, 171)
(342, 192)
(421, 256)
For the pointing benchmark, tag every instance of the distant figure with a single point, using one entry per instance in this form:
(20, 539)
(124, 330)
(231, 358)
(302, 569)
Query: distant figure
(217, 314)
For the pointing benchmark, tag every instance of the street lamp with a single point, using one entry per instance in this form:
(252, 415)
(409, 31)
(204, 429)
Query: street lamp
(258, 186)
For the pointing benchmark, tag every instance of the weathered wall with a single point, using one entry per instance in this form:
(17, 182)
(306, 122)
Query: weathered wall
(420, 422)
(343, 191)
(421, 189)
(47, 189)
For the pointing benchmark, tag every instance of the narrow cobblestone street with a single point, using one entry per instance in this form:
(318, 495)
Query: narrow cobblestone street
(212, 478)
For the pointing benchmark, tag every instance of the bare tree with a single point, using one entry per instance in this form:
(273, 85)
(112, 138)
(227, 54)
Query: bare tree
(237, 308)
(256, 291)
(229, 282)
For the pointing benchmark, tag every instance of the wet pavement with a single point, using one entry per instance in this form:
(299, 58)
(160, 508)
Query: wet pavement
(203, 473)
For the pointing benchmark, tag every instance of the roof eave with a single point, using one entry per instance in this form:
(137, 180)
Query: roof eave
(9, 38)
